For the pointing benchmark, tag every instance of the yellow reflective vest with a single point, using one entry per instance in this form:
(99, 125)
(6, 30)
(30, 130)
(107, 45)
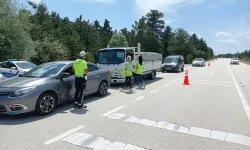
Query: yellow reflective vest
(127, 70)
(140, 68)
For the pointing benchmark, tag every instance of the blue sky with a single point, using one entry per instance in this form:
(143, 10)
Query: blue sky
(222, 23)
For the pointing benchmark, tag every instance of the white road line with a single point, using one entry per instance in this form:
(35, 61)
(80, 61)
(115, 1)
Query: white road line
(211, 75)
(139, 98)
(174, 81)
(166, 85)
(64, 135)
(97, 143)
(195, 131)
(214, 81)
(213, 84)
(112, 111)
(154, 91)
(242, 97)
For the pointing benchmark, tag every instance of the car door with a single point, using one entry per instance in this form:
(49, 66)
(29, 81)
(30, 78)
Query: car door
(8, 72)
(3, 68)
(67, 85)
(92, 79)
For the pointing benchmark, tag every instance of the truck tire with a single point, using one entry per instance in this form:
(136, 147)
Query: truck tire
(132, 80)
(152, 75)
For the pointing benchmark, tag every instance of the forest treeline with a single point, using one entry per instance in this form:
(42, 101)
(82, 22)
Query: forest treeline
(39, 35)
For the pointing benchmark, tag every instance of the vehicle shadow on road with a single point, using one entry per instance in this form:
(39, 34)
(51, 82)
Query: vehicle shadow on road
(67, 107)
(146, 81)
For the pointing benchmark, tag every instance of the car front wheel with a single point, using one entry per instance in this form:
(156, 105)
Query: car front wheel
(45, 104)
(103, 89)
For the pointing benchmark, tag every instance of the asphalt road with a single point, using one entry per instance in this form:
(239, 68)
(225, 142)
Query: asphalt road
(211, 113)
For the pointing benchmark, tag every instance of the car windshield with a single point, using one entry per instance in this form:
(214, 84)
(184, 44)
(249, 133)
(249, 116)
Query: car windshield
(198, 59)
(25, 65)
(234, 58)
(111, 56)
(171, 60)
(44, 70)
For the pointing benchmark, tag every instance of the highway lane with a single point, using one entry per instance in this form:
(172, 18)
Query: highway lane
(211, 102)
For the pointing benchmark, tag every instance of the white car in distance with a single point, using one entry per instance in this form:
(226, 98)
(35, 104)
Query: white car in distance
(234, 61)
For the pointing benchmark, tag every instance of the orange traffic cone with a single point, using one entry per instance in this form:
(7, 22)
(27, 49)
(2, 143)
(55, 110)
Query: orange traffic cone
(208, 63)
(186, 80)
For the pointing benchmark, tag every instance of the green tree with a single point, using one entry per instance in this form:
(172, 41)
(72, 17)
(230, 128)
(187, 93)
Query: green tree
(48, 50)
(15, 41)
(118, 40)
(165, 40)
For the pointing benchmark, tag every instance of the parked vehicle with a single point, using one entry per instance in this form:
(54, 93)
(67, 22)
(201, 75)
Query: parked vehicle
(199, 62)
(13, 67)
(114, 59)
(46, 86)
(173, 63)
(1, 77)
(234, 61)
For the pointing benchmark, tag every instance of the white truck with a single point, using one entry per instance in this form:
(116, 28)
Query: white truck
(114, 59)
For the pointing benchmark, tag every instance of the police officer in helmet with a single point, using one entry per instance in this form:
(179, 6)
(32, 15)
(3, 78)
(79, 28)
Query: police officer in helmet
(80, 69)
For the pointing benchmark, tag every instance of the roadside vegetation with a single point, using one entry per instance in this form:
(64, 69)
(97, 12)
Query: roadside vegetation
(32, 32)
(243, 56)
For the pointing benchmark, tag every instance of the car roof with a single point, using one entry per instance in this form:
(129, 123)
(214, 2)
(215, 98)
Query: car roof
(174, 56)
(67, 62)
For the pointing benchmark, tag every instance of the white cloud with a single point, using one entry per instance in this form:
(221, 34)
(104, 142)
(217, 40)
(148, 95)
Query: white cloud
(169, 7)
(220, 3)
(222, 34)
(99, 1)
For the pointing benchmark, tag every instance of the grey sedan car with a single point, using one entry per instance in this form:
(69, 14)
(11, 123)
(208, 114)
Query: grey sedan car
(199, 62)
(46, 86)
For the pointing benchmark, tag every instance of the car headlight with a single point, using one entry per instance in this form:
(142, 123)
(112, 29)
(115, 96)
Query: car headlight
(22, 91)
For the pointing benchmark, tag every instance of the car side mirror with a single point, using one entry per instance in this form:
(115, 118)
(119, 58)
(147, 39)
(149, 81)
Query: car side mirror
(65, 75)
(13, 68)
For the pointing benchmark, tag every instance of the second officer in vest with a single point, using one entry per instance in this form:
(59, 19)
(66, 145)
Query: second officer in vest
(127, 72)
(80, 69)
(138, 71)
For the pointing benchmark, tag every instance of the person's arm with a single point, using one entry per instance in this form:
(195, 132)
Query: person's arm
(73, 68)
(86, 68)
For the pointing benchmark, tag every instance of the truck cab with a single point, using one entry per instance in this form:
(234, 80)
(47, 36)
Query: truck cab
(114, 60)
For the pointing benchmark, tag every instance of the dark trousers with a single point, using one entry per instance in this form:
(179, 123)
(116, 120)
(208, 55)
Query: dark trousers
(128, 78)
(80, 85)
(139, 79)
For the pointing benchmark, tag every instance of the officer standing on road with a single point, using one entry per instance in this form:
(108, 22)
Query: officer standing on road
(80, 69)
(138, 71)
(127, 72)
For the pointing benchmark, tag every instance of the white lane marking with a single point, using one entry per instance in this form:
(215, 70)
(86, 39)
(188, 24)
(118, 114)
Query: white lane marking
(200, 132)
(212, 84)
(166, 85)
(214, 81)
(95, 142)
(139, 98)
(211, 75)
(154, 91)
(174, 81)
(112, 111)
(64, 135)
(242, 97)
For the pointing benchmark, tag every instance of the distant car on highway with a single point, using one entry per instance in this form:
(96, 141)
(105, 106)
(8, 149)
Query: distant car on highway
(234, 61)
(13, 67)
(173, 63)
(199, 62)
(44, 87)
